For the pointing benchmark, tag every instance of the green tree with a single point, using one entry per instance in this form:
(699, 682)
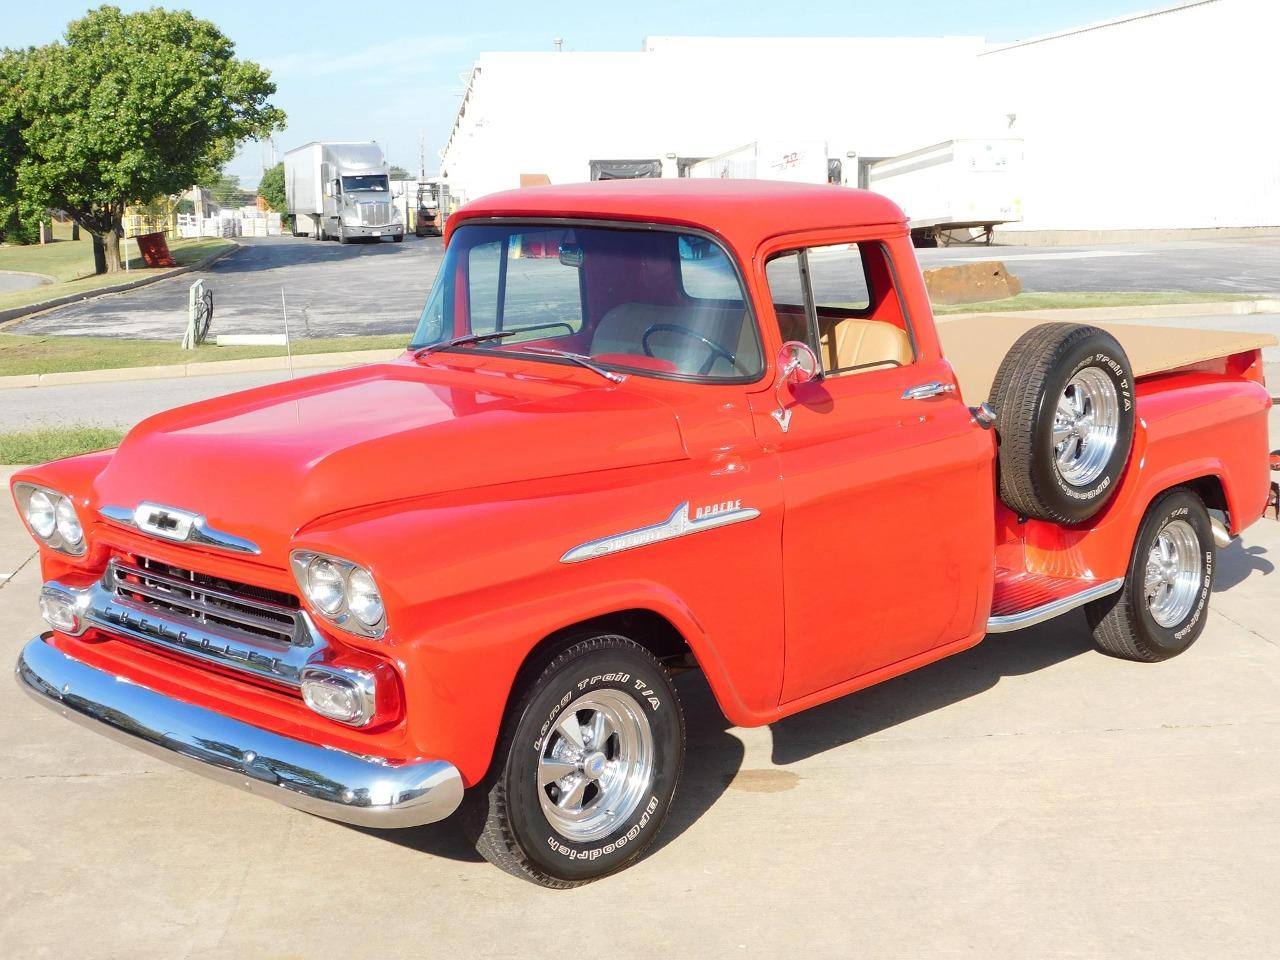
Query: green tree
(128, 107)
(400, 173)
(271, 188)
(225, 190)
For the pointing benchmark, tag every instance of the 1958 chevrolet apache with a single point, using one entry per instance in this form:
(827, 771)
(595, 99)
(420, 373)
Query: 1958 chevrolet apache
(641, 427)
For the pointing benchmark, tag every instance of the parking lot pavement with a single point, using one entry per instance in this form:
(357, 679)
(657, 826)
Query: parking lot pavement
(334, 290)
(331, 290)
(1197, 266)
(1027, 798)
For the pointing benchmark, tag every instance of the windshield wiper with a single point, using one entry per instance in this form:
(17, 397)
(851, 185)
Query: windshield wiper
(464, 341)
(578, 358)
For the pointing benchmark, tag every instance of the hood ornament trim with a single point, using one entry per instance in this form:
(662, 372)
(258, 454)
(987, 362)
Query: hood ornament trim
(679, 524)
(177, 526)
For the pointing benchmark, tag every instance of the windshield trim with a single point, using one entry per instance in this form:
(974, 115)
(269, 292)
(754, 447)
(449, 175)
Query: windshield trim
(638, 225)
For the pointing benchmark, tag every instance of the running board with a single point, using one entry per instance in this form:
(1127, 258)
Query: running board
(1003, 622)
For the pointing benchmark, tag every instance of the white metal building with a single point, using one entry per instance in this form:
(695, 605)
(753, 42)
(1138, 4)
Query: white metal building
(1159, 120)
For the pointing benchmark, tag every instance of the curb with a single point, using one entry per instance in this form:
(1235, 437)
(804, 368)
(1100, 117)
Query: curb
(1153, 311)
(18, 313)
(211, 368)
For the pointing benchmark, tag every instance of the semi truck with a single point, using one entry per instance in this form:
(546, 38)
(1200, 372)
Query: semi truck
(341, 190)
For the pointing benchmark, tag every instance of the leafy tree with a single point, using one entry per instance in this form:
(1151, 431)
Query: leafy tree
(400, 173)
(128, 107)
(18, 218)
(271, 188)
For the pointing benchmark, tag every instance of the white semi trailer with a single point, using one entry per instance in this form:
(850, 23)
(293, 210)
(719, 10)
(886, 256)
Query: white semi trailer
(952, 189)
(341, 190)
(800, 161)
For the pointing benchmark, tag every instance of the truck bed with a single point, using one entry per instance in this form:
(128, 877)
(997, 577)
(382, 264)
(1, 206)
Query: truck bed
(976, 345)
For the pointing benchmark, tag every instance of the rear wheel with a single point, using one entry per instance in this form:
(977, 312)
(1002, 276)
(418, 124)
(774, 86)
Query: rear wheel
(1164, 604)
(586, 767)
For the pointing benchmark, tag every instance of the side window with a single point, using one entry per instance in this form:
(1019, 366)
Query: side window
(839, 278)
(841, 300)
(786, 288)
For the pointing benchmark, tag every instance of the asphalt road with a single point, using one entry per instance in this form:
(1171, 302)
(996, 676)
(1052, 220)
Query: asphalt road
(1028, 798)
(335, 290)
(330, 289)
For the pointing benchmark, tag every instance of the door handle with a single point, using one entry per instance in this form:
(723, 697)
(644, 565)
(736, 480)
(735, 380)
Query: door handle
(923, 391)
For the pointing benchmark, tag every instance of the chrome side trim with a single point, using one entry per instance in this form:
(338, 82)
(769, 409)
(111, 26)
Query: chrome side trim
(1029, 618)
(178, 526)
(366, 791)
(679, 524)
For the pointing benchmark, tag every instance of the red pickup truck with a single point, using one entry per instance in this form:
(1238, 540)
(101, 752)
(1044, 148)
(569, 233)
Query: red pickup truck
(642, 427)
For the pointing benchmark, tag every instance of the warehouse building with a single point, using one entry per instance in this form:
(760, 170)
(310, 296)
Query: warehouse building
(1157, 121)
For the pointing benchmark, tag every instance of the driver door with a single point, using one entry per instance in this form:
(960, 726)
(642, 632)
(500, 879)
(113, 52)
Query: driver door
(889, 513)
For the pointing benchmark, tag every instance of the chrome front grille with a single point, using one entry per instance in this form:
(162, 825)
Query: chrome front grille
(375, 214)
(207, 602)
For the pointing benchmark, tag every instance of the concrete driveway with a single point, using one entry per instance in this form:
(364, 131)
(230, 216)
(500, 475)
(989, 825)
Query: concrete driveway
(1028, 798)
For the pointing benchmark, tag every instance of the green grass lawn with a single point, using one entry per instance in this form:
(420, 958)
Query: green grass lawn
(70, 263)
(22, 354)
(1056, 301)
(37, 446)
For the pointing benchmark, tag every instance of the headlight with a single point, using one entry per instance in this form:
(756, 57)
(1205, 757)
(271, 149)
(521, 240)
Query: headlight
(68, 523)
(52, 518)
(342, 592)
(363, 598)
(324, 586)
(42, 514)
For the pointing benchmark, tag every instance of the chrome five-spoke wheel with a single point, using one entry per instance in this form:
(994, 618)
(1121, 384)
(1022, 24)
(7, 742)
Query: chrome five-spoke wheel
(1173, 575)
(597, 765)
(1086, 426)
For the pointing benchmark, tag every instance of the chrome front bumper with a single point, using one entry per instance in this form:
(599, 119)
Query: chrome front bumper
(364, 230)
(366, 791)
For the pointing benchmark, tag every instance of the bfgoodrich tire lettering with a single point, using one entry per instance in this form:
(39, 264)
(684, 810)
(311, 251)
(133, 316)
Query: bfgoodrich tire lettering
(1124, 624)
(507, 817)
(1064, 414)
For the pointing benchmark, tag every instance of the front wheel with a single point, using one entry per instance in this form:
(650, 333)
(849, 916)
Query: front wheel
(585, 769)
(1164, 604)
(342, 235)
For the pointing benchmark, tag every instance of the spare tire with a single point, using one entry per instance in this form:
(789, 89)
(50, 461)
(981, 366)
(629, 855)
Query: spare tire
(1063, 398)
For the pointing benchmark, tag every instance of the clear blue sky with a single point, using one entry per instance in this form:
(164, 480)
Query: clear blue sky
(391, 72)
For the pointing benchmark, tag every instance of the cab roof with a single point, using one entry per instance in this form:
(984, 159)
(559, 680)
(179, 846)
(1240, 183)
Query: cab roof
(743, 211)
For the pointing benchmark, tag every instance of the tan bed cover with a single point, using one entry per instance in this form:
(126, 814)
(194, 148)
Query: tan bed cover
(975, 345)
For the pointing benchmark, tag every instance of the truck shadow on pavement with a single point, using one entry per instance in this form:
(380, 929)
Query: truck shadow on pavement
(257, 258)
(714, 756)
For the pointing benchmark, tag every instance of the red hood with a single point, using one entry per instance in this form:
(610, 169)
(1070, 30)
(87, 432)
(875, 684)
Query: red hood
(263, 463)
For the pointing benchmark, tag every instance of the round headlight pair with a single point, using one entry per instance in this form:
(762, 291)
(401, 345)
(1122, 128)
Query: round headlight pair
(341, 591)
(52, 517)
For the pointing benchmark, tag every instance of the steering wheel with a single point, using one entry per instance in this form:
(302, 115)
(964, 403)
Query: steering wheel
(714, 350)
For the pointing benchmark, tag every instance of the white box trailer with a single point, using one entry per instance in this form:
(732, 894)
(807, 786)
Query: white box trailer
(799, 161)
(950, 189)
(340, 190)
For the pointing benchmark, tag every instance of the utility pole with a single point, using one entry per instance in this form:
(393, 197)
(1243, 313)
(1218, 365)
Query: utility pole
(422, 155)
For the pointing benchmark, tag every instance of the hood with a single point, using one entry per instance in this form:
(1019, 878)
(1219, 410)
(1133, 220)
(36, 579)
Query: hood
(264, 463)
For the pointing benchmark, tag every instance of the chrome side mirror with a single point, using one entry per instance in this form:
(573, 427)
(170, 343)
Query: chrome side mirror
(797, 364)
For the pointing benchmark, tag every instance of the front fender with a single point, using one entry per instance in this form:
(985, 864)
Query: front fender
(472, 587)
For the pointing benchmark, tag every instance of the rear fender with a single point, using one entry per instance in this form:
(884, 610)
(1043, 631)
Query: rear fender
(1190, 427)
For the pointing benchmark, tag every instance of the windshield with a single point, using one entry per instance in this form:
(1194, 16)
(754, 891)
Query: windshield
(372, 181)
(648, 301)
